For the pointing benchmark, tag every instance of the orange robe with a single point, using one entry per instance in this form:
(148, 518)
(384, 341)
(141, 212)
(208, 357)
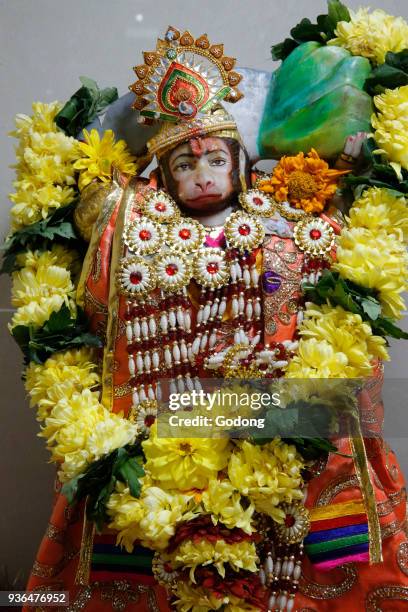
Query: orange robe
(98, 577)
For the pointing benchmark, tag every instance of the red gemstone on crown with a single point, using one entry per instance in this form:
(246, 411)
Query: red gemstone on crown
(315, 234)
(244, 230)
(135, 278)
(171, 269)
(144, 234)
(257, 201)
(160, 206)
(185, 233)
(212, 267)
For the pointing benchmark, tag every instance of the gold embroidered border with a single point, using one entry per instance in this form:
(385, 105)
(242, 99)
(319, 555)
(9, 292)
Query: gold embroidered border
(367, 491)
(330, 591)
(122, 390)
(114, 297)
(106, 211)
(43, 570)
(402, 557)
(387, 591)
(85, 556)
(337, 486)
(55, 534)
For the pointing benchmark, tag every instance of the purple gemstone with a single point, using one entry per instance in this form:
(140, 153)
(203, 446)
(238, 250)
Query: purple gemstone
(271, 281)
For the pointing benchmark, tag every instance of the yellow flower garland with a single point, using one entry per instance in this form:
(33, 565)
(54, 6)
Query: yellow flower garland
(45, 166)
(371, 34)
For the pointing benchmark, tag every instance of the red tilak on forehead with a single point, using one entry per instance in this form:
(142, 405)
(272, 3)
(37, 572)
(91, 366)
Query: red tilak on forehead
(199, 146)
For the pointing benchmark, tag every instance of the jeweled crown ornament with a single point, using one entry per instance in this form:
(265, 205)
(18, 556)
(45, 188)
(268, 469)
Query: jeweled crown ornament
(183, 77)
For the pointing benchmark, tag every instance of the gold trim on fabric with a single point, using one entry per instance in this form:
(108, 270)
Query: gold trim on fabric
(55, 534)
(338, 485)
(44, 570)
(99, 227)
(330, 591)
(402, 557)
(85, 555)
(391, 529)
(367, 491)
(81, 600)
(97, 265)
(113, 301)
(122, 390)
(386, 591)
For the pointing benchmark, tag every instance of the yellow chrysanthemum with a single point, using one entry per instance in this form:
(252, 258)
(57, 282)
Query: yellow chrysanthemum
(125, 512)
(43, 285)
(152, 518)
(57, 255)
(379, 210)
(30, 285)
(239, 555)
(335, 343)
(80, 430)
(376, 260)
(37, 313)
(268, 475)
(60, 376)
(45, 175)
(371, 35)
(192, 598)
(391, 126)
(99, 156)
(224, 503)
(305, 182)
(184, 463)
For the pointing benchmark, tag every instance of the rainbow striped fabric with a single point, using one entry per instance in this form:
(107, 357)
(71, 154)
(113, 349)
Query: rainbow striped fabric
(111, 562)
(338, 534)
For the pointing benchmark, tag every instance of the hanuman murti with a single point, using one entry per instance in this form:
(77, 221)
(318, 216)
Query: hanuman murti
(197, 271)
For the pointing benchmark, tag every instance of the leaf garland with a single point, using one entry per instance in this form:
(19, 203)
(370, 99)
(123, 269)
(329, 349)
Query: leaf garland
(354, 298)
(306, 31)
(83, 106)
(98, 482)
(393, 73)
(61, 332)
(58, 227)
(378, 173)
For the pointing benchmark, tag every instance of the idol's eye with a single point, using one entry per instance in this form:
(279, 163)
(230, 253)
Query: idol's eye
(218, 161)
(183, 166)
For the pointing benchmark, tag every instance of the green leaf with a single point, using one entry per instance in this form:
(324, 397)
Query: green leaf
(89, 83)
(98, 481)
(57, 228)
(393, 73)
(129, 473)
(83, 106)
(337, 12)
(371, 308)
(333, 288)
(306, 31)
(59, 333)
(383, 326)
(282, 50)
(378, 173)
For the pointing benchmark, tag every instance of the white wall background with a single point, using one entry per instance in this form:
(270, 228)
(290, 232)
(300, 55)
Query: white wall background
(44, 46)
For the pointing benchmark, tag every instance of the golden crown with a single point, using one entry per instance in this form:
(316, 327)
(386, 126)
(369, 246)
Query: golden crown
(217, 122)
(183, 77)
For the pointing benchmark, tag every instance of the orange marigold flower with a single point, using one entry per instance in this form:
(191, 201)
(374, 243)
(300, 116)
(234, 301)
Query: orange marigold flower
(305, 182)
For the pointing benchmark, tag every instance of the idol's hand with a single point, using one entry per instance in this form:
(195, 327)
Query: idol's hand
(354, 145)
(352, 151)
